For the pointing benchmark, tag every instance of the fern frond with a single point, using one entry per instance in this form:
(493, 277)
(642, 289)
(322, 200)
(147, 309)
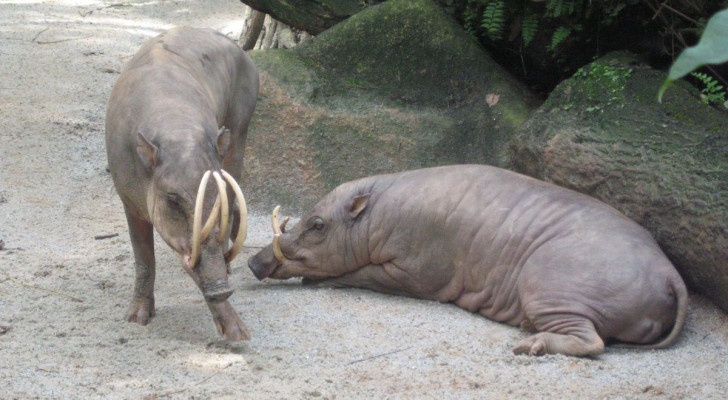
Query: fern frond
(470, 19)
(712, 92)
(559, 35)
(570, 7)
(529, 27)
(493, 19)
(554, 7)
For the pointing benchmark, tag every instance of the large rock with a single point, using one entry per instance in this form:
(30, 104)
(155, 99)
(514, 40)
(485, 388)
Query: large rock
(312, 16)
(397, 86)
(603, 133)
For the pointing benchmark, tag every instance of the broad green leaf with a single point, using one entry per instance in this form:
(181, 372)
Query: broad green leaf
(711, 49)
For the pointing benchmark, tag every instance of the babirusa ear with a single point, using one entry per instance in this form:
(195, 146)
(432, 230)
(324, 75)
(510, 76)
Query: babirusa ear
(148, 152)
(358, 204)
(223, 141)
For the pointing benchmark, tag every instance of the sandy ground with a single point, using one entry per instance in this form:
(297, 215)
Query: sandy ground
(63, 293)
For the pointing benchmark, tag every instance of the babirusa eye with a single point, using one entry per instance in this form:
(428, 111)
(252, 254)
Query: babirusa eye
(174, 201)
(318, 224)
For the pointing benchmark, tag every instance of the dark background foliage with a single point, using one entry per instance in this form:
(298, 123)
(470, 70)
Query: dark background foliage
(544, 42)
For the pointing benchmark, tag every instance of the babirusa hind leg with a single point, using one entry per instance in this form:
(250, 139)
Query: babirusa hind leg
(579, 338)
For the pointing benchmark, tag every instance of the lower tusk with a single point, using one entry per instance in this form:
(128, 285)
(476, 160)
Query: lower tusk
(222, 194)
(243, 225)
(277, 235)
(197, 220)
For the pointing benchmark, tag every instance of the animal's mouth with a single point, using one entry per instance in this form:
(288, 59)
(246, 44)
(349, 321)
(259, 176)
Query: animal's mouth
(264, 266)
(263, 270)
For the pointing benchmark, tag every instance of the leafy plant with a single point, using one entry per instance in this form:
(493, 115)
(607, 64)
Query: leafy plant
(711, 49)
(611, 13)
(554, 7)
(469, 17)
(555, 37)
(529, 27)
(557, 8)
(559, 35)
(493, 19)
(713, 92)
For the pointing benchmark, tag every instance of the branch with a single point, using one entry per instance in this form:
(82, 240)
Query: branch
(378, 355)
(109, 236)
(64, 40)
(42, 288)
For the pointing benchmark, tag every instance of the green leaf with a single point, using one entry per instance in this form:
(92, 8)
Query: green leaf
(493, 19)
(529, 27)
(711, 49)
(559, 35)
(554, 6)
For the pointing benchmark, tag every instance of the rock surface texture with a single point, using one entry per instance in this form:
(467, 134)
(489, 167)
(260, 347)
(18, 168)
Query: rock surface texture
(342, 105)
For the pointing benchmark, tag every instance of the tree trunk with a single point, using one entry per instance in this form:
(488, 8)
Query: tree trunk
(312, 16)
(252, 31)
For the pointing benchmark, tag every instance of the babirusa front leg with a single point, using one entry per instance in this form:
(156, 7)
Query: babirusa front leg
(141, 233)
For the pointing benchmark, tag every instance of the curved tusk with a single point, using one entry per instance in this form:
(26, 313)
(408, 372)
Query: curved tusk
(277, 235)
(211, 219)
(277, 249)
(243, 225)
(284, 223)
(274, 220)
(197, 220)
(222, 194)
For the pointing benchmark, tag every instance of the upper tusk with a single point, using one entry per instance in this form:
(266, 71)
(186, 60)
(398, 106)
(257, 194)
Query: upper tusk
(243, 225)
(222, 194)
(274, 220)
(197, 220)
(277, 235)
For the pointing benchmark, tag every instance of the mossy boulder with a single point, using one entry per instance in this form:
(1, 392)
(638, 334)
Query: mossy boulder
(602, 132)
(397, 86)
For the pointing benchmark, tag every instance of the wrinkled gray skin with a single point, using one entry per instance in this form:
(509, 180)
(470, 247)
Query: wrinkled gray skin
(180, 107)
(507, 246)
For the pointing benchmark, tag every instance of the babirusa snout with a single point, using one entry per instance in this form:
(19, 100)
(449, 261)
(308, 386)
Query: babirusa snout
(263, 263)
(217, 291)
(220, 209)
